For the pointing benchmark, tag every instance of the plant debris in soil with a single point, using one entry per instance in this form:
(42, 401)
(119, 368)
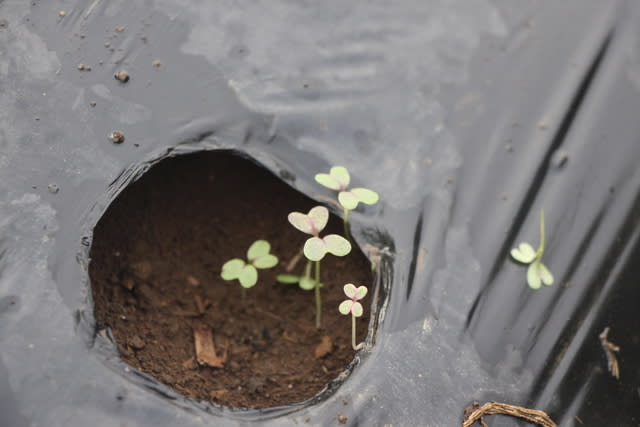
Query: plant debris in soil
(155, 268)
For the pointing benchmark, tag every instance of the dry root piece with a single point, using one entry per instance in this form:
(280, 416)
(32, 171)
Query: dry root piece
(475, 413)
(610, 349)
(205, 348)
(294, 261)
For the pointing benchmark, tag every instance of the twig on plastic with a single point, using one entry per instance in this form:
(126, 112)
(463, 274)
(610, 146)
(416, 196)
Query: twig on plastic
(610, 349)
(475, 412)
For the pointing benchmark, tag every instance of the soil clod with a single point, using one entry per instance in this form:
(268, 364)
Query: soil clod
(136, 342)
(325, 347)
(116, 137)
(122, 76)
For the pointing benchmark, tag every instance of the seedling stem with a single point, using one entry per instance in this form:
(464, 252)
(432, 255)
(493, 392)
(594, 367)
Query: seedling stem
(541, 247)
(346, 225)
(353, 334)
(318, 297)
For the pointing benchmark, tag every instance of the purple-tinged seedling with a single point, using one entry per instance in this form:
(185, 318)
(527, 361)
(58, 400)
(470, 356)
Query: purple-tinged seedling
(352, 306)
(538, 273)
(246, 272)
(316, 247)
(338, 179)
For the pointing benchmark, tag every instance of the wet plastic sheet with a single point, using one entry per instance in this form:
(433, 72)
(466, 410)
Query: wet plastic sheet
(467, 116)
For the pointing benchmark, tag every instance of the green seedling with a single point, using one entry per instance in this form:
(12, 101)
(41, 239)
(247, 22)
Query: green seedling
(538, 273)
(305, 282)
(352, 306)
(316, 247)
(246, 272)
(338, 179)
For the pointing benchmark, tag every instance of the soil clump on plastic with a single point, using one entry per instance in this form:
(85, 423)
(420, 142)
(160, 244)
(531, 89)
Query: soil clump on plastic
(155, 270)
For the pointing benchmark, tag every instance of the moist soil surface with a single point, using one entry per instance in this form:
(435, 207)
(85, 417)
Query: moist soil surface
(155, 268)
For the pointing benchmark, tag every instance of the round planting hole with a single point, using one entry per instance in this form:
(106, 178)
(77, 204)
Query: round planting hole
(155, 268)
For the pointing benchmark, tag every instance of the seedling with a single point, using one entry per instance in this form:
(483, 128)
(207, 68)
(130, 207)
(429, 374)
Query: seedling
(305, 282)
(246, 272)
(352, 306)
(537, 273)
(338, 179)
(316, 247)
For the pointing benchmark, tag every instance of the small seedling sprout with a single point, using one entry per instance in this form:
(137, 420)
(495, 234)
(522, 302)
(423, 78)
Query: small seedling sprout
(537, 273)
(338, 179)
(246, 272)
(352, 306)
(305, 282)
(316, 247)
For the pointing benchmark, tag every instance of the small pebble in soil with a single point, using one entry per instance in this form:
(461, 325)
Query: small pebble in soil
(119, 29)
(107, 44)
(92, 103)
(122, 76)
(116, 137)
(342, 419)
(193, 281)
(81, 67)
(156, 63)
(53, 188)
(62, 13)
(3, 24)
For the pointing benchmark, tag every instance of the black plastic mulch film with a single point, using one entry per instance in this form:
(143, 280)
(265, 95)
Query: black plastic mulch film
(467, 116)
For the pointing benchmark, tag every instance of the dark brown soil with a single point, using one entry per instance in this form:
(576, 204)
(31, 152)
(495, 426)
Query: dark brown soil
(157, 254)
